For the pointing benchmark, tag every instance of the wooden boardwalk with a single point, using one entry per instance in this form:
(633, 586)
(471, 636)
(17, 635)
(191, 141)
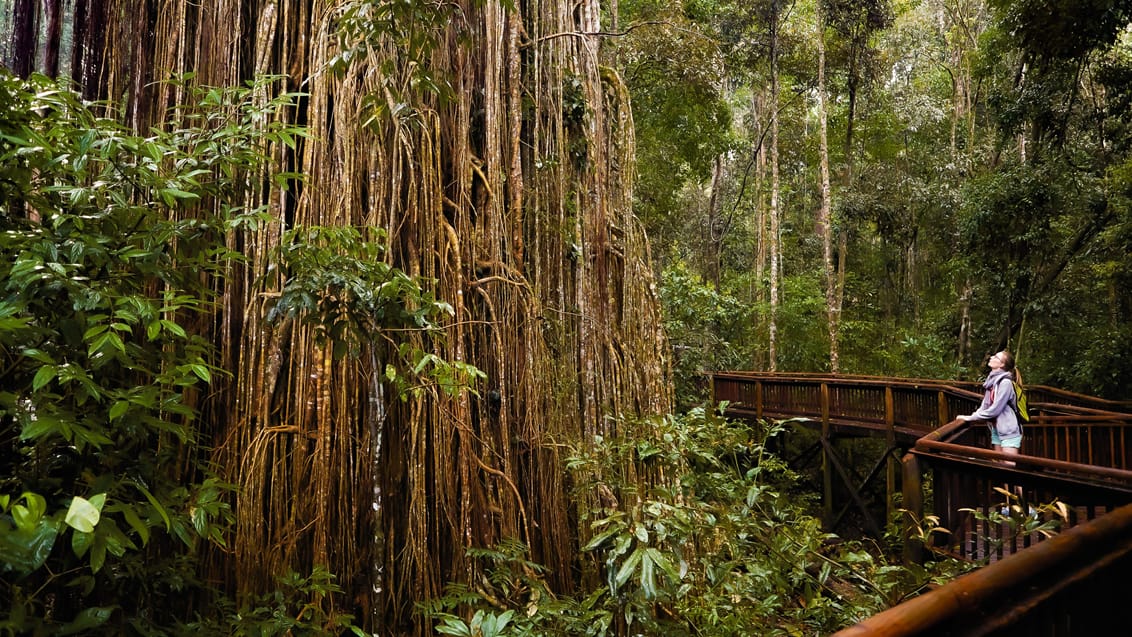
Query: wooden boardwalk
(1077, 452)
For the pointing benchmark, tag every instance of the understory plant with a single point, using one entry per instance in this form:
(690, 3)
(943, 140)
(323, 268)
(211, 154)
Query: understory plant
(694, 528)
(110, 244)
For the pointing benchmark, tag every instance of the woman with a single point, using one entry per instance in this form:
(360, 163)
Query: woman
(997, 406)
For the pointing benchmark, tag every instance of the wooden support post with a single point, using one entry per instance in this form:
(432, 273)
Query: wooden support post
(914, 510)
(890, 440)
(842, 469)
(826, 462)
(944, 415)
(758, 399)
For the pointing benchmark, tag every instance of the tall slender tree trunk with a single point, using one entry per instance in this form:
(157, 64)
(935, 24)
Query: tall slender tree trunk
(965, 323)
(52, 13)
(775, 214)
(715, 230)
(760, 218)
(833, 308)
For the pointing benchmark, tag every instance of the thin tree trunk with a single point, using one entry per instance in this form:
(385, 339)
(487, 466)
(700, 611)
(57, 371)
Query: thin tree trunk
(833, 310)
(964, 323)
(54, 21)
(774, 247)
(715, 230)
(760, 218)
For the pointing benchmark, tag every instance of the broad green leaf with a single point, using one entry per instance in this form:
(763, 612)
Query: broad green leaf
(135, 522)
(202, 372)
(119, 409)
(81, 542)
(664, 563)
(39, 355)
(97, 555)
(173, 327)
(24, 551)
(43, 376)
(116, 541)
(43, 425)
(627, 569)
(648, 576)
(94, 331)
(599, 539)
(454, 626)
(28, 515)
(87, 619)
(642, 533)
(83, 515)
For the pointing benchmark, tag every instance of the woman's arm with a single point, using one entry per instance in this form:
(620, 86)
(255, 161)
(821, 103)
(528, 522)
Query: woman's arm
(991, 411)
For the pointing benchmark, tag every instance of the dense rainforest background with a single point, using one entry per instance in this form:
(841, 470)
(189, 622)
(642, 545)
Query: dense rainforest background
(390, 317)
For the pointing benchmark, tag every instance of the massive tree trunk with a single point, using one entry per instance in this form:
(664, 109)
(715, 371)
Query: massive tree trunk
(512, 194)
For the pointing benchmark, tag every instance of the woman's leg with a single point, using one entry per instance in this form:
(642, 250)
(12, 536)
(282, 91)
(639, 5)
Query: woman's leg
(1013, 451)
(1010, 451)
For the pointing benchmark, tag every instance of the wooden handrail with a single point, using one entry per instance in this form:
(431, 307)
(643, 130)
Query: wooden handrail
(1049, 396)
(995, 596)
(931, 442)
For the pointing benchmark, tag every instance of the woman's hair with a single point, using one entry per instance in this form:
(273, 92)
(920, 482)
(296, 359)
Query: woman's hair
(1008, 364)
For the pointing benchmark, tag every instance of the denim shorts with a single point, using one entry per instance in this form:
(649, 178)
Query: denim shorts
(1009, 441)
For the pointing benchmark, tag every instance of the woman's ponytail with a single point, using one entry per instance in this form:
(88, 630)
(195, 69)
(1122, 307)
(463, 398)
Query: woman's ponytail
(1009, 365)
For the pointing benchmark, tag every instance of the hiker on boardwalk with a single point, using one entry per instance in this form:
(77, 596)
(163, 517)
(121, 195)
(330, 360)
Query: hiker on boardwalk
(997, 408)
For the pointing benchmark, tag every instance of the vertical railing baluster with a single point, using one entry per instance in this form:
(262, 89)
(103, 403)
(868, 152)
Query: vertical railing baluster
(826, 464)
(890, 446)
(914, 510)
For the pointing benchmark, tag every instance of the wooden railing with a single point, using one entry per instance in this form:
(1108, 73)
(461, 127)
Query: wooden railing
(920, 404)
(909, 408)
(1078, 452)
(1063, 459)
(1074, 584)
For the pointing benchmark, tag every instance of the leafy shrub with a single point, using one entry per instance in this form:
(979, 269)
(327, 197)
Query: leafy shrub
(695, 530)
(110, 243)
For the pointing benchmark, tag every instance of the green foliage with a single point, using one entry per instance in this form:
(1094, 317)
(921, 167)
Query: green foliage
(110, 244)
(696, 529)
(299, 605)
(1063, 30)
(673, 68)
(1018, 519)
(512, 601)
(707, 329)
(802, 315)
(412, 30)
(339, 285)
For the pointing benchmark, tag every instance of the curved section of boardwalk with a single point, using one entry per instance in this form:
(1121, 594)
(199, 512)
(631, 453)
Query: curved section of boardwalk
(1077, 451)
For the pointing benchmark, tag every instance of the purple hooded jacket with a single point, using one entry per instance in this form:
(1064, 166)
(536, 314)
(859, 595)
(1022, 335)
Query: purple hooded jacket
(996, 405)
